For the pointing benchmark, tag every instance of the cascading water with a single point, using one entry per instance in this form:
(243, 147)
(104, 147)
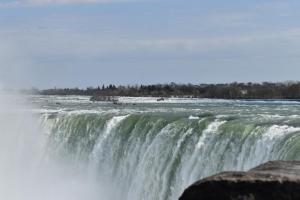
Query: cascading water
(154, 151)
(27, 170)
(151, 151)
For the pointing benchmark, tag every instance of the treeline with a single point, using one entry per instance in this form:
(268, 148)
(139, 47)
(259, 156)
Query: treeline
(265, 90)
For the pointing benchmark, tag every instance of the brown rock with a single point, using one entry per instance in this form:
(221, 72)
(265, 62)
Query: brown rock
(275, 180)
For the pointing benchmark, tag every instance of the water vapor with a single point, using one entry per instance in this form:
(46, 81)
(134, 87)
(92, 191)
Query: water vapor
(27, 169)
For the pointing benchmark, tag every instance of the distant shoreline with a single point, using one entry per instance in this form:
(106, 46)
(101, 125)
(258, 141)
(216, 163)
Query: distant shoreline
(289, 91)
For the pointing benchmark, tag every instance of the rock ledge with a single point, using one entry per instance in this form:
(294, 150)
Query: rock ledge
(274, 180)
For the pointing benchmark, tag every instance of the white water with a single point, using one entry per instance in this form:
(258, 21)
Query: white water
(79, 150)
(25, 171)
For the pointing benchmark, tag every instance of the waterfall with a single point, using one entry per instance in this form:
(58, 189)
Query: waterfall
(156, 156)
(79, 150)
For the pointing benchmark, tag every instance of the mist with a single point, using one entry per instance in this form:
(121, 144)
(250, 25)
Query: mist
(28, 169)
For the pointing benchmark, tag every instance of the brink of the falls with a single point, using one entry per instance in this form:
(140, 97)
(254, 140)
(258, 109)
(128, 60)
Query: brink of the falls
(67, 147)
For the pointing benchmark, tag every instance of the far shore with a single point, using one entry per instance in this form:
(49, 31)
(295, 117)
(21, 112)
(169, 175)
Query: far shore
(289, 91)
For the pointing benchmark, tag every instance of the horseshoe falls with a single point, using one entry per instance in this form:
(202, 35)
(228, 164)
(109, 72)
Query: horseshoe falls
(72, 148)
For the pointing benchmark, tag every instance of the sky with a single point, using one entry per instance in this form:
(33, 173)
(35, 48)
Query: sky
(81, 43)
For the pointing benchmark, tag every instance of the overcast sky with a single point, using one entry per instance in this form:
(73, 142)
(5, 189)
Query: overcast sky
(79, 43)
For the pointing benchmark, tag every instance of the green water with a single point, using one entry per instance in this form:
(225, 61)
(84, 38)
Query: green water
(145, 150)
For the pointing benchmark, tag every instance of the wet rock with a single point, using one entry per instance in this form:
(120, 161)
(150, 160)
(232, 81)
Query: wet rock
(275, 180)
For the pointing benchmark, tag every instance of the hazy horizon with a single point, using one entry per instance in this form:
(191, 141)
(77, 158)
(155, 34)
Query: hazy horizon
(81, 43)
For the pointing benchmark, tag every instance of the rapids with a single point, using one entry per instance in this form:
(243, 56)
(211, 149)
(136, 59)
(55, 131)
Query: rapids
(140, 150)
(152, 151)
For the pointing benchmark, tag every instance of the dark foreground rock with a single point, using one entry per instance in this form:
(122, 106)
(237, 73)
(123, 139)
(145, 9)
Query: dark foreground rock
(275, 180)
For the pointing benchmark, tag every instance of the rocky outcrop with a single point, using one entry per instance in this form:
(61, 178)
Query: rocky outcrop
(275, 180)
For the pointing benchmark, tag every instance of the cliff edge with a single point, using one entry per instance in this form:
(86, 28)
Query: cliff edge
(274, 180)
